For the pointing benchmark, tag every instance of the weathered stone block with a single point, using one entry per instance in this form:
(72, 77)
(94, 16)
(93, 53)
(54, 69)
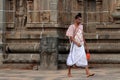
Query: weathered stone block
(22, 57)
(53, 16)
(13, 34)
(25, 36)
(49, 52)
(23, 48)
(53, 6)
(91, 28)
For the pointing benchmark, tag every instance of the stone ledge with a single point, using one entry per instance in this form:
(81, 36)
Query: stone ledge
(20, 61)
(96, 47)
(116, 15)
(95, 36)
(102, 36)
(10, 25)
(17, 66)
(97, 58)
(105, 58)
(22, 58)
(34, 47)
(43, 25)
(104, 47)
(112, 26)
(104, 65)
(31, 35)
(23, 48)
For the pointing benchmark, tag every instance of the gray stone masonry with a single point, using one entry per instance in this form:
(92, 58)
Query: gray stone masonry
(49, 53)
(1, 30)
(77, 74)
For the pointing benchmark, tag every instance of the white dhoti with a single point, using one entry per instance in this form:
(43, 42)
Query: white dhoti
(77, 56)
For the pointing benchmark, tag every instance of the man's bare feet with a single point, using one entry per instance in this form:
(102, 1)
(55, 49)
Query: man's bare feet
(69, 75)
(90, 75)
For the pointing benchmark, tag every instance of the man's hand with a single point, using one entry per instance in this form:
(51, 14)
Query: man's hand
(72, 39)
(78, 44)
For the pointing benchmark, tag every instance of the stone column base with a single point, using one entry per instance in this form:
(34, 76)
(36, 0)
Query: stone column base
(49, 52)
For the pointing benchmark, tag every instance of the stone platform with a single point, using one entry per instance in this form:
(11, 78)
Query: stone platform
(78, 74)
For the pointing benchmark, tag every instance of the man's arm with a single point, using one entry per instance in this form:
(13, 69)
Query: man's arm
(73, 40)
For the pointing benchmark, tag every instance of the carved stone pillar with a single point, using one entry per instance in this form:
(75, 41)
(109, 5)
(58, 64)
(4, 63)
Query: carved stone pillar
(49, 52)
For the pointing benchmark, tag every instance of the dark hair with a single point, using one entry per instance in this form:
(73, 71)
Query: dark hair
(78, 15)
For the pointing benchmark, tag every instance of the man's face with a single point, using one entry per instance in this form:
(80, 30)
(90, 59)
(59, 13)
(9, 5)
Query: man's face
(78, 20)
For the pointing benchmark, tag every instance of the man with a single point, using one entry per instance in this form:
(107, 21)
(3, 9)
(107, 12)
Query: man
(77, 55)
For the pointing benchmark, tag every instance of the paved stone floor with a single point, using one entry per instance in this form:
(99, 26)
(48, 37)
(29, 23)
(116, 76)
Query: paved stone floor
(78, 74)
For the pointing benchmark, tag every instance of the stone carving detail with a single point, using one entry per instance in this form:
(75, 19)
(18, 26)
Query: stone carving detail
(45, 16)
(20, 14)
(29, 10)
(48, 56)
(116, 13)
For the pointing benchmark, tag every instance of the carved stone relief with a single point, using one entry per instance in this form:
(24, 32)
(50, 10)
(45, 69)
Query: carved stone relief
(116, 12)
(49, 52)
(20, 13)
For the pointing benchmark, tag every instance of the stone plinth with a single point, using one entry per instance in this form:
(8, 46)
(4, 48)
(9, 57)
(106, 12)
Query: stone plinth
(49, 52)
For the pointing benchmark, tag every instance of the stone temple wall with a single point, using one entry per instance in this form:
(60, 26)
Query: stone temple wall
(29, 20)
(26, 23)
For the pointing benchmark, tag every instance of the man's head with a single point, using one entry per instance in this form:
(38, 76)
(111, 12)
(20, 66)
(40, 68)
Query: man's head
(78, 18)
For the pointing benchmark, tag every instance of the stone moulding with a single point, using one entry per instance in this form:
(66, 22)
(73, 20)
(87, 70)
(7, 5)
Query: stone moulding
(116, 15)
(23, 48)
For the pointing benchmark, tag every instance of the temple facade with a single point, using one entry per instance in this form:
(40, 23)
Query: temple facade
(33, 31)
